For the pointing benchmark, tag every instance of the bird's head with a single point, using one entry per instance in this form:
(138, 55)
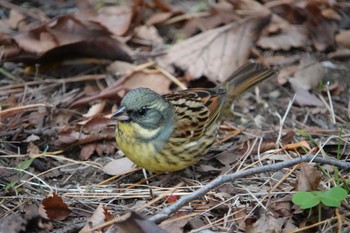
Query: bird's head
(148, 112)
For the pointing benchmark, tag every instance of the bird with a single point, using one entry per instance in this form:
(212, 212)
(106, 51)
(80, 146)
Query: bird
(167, 133)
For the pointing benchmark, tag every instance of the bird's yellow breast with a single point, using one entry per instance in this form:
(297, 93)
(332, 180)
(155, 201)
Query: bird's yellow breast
(166, 158)
(141, 152)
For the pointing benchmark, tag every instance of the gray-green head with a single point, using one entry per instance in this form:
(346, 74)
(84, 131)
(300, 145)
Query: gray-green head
(145, 108)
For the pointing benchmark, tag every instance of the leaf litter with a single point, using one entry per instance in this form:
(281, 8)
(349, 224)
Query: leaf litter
(55, 106)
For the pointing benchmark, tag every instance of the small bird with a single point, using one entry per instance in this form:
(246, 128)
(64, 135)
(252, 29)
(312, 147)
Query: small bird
(167, 133)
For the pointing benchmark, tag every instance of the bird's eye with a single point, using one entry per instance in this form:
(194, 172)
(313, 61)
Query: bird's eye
(142, 112)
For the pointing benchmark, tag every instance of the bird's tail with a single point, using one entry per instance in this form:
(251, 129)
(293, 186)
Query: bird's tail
(245, 77)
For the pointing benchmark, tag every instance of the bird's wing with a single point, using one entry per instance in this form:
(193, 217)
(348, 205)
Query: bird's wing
(196, 110)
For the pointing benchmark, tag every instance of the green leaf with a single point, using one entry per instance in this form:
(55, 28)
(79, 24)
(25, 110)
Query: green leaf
(337, 193)
(333, 196)
(10, 185)
(306, 200)
(24, 164)
(330, 202)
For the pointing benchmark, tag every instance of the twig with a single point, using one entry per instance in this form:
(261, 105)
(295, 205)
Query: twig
(29, 173)
(9, 75)
(330, 103)
(165, 213)
(171, 77)
(19, 108)
(282, 120)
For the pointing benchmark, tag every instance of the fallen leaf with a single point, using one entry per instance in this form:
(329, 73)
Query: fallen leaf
(289, 37)
(159, 17)
(286, 73)
(68, 36)
(119, 167)
(16, 20)
(100, 216)
(134, 77)
(309, 178)
(116, 19)
(207, 168)
(175, 226)
(291, 12)
(32, 138)
(32, 149)
(308, 75)
(266, 224)
(305, 98)
(28, 220)
(217, 52)
(343, 38)
(321, 29)
(155, 81)
(135, 223)
(53, 208)
(149, 33)
(95, 109)
(290, 226)
(220, 13)
(297, 145)
(87, 150)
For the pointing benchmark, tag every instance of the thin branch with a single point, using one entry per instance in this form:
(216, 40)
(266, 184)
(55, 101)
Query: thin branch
(165, 213)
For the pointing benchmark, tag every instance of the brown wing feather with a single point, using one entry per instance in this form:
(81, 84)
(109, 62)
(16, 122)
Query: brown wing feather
(196, 110)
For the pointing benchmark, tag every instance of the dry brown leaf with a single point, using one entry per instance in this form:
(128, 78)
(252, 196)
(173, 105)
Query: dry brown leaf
(28, 220)
(266, 224)
(149, 33)
(207, 168)
(32, 138)
(285, 73)
(155, 81)
(16, 20)
(116, 19)
(121, 68)
(217, 52)
(221, 13)
(340, 54)
(297, 145)
(87, 150)
(175, 226)
(308, 76)
(291, 12)
(95, 125)
(95, 109)
(289, 226)
(251, 6)
(343, 39)
(133, 78)
(100, 216)
(289, 37)
(79, 36)
(309, 178)
(159, 17)
(37, 43)
(330, 13)
(305, 98)
(53, 208)
(32, 149)
(119, 167)
(321, 29)
(135, 223)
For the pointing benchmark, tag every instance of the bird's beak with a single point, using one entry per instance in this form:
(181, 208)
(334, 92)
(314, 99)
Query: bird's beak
(121, 115)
